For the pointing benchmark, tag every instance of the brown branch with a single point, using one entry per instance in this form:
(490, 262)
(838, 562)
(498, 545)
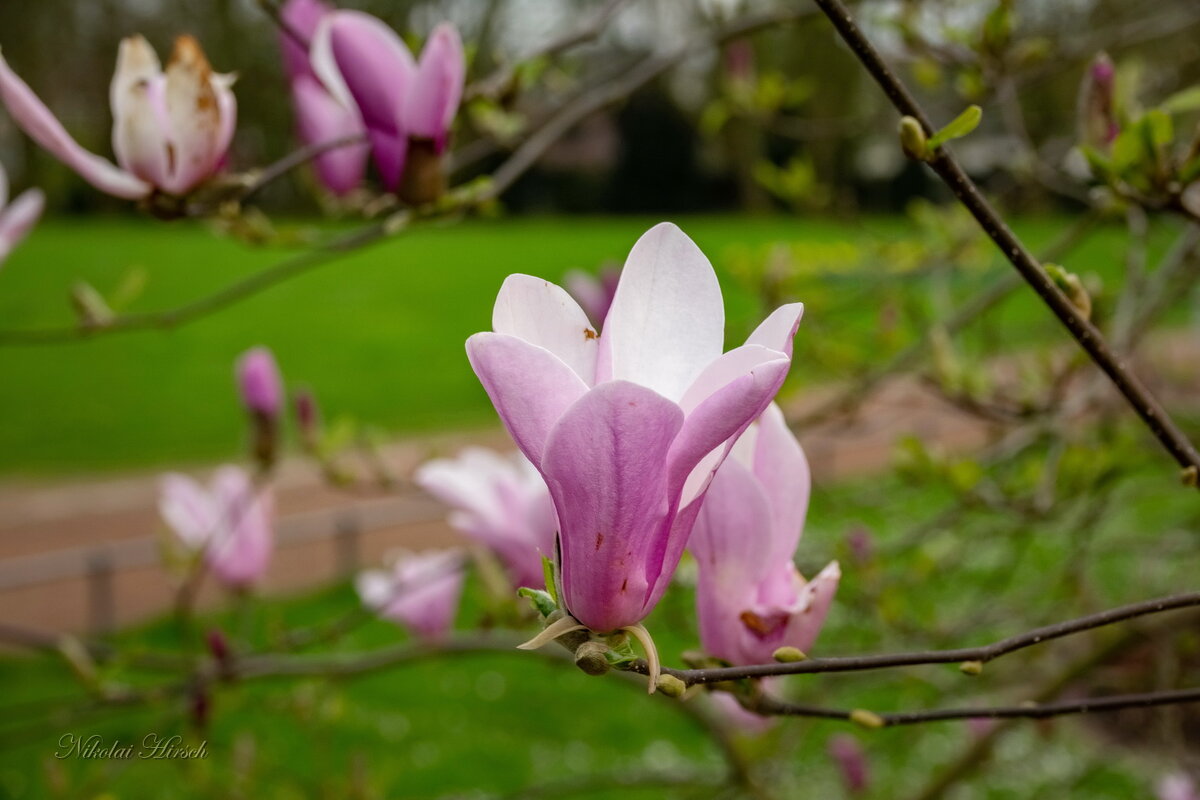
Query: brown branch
(982, 654)
(1156, 418)
(770, 706)
(272, 172)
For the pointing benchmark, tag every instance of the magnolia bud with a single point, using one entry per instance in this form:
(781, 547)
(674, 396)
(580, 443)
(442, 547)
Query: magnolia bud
(851, 761)
(1190, 477)
(867, 719)
(971, 668)
(308, 419)
(671, 686)
(591, 657)
(1073, 288)
(261, 390)
(1097, 120)
(91, 306)
(789, 655)
(913, 140)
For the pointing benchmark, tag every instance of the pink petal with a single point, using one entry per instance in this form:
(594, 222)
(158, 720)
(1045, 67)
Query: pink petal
(321, 118)
(810, 611)
(667, 320)
(782, 469)
(544, 314)
(240, 551)
(377, 69)
(422, 592)
(36, 120)
(188, 510)
(18, 219)
(529, 386)
(302, 17)
(604, 464)
(259, 383)
(723, 415)
(437, 90)
(779, 329)
(140, 124)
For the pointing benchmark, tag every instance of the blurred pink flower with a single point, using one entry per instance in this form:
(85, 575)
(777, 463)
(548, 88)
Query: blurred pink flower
(627, 426)
(18, 217)
(171, 129)
(500, 502)
(851, 759)
(259, 384)
(594, 293)
(321, 117)
(231, 522)
(1097, 104)
(421, 592)
(1177, 786)
(362, 61)
(750, 598)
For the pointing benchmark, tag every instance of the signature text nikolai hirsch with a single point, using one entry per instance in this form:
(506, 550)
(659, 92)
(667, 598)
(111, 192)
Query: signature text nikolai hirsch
(152, 745)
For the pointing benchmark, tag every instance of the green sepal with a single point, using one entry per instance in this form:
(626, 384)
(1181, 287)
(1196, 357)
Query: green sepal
(541, 600)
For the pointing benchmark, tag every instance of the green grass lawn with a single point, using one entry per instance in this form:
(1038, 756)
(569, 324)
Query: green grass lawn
(379, 335)
(471, 726)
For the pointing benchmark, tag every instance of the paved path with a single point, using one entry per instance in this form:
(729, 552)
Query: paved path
(85, 555)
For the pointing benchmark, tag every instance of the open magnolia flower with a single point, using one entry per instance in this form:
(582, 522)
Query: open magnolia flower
(321, 118)
(407, 106)
(421, 591)
(750, 598)
(171, 130)
(500, 502)
(627, 426)
(18, 217)
(230, 523)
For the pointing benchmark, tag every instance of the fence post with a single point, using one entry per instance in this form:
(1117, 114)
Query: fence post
(348, 542)
(101, 602)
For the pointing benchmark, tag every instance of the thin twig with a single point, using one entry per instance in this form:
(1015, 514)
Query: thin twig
(960, 184)
(982, 654)
(770, 706)
(295, 159)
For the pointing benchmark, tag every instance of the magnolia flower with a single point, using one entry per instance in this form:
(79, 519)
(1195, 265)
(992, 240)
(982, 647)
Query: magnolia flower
(594, 293)
(19, 217)
(627, 426)
(321, 117)
(171, 130)
(750, 598)
(405, 104)
(851, 759)
(500, 502)
(230, 523)
(421, 592)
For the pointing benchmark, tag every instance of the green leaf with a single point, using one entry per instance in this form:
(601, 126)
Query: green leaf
(1101, 164)
(541, 600)
(959, 127)
(549, 577)
(1182, 101)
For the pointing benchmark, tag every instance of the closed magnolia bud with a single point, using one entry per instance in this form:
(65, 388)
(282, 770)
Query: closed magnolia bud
(671, 686)
(1070, 285)
(851, 761)
(591, 658)
(789, 655)
(308, 418)
(867, 719)
(258, 380)
(1097, 118)
(971, 668)
(912, 139)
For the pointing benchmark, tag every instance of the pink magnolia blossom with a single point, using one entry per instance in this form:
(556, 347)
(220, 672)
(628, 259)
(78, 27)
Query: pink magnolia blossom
(259, 384)
(231, 522)
(19, 217)
(321, 117)
(421, 592)
(750, 598)
(171, 129)
(1097, 104)
(851, 759)
(500, 502)
(361, 60)
(627, 426)
(594, 293)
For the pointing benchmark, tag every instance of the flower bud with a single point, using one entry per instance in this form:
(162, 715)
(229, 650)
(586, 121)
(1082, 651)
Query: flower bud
(91, 306)
(971, 668)
(1097, 120)
(913, 140)
(867, 719)
(591, 658)
(789, 655)
(671, 686)
(308, 419)
(852, 762)
(258, 382)
(1073, 288)
(1190, 477)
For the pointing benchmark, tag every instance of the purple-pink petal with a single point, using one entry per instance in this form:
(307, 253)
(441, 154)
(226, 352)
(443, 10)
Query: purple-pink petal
(259, 383)
(604, 464)
(437, 89)
(18, 219)
(320, 118)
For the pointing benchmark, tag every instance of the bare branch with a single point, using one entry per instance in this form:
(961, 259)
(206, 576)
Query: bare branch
(960, 184)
